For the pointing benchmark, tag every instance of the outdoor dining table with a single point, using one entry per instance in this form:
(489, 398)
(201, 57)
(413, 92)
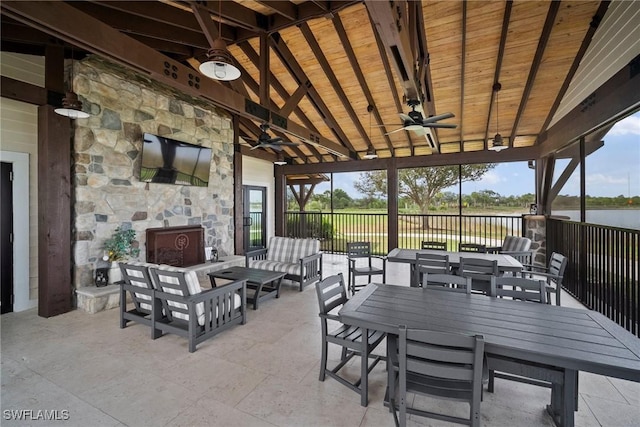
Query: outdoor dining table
(506, 263)
(567, 339)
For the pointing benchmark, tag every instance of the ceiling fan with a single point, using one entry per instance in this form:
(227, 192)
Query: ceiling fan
(416, 123)
(265, 140)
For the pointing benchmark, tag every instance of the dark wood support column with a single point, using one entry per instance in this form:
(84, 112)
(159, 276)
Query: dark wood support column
(280, 200)
(54, 213)
(238, 208)
(392, 204)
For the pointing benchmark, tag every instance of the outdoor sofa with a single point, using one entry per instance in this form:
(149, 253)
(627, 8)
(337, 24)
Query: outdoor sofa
(300, 259)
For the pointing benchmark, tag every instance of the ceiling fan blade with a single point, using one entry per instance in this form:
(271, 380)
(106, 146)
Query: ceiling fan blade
(255, 146)
(441, 125)
(393, 131)
(437, 118)
(288, 143)
(405, 118)
(275, 140)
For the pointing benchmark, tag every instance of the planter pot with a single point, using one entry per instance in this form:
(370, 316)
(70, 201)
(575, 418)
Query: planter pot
(115, 275)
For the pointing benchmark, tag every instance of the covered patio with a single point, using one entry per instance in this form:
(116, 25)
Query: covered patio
(264, 373)
(325, 87)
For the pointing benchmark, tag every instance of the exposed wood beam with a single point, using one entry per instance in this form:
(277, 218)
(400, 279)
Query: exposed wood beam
(388, 73)
(236, 14)
(80, 29)
(466, 158)
(288, 59)
(548, 167)
(175, 49)
(305, 181)
(206, 23)
(282, 92)
(285, 9)
(390, 19)
(614, 100)
(23, 92)
(346, 44)
(161, 12)
(335, 84)
(265, 74)
(294, 100)
(586, 42)
(499, 59)
(554, 6)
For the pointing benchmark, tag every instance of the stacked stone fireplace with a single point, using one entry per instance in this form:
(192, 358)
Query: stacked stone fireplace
(107, 149)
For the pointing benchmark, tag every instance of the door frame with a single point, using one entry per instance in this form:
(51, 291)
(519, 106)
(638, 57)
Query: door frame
(21, 237)
(246, 201)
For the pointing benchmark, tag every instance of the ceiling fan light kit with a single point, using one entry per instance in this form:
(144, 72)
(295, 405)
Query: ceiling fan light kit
(219, 64)
(371, 154)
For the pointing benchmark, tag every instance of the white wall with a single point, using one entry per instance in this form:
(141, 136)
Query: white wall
(260, 173)
(19, 145)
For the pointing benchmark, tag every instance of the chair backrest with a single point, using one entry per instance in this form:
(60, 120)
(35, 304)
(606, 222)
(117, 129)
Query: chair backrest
(138, 275)
(557, 265)
(472, 247)
(331, 293)
(440, 246)
(519, 288)
(175, 281)
(516, 244)
(440, 364)
(523, 257)
(430, 263)
(477, 269)
(447, 282)
(358, 249)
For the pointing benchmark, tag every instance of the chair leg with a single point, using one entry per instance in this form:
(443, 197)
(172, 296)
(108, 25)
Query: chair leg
(492, 378)
(323, 361)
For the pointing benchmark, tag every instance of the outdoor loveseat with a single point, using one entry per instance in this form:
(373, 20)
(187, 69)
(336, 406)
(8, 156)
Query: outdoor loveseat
(300, 259)
(170, 300)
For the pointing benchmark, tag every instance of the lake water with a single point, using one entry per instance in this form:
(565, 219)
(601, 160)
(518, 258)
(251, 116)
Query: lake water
(624, 218)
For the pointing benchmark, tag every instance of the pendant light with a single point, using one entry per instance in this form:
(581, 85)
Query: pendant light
(71, 105)
(219, 64)
(498, 141)
(371, 152)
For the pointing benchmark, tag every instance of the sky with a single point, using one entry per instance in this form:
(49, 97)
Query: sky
(611, 171)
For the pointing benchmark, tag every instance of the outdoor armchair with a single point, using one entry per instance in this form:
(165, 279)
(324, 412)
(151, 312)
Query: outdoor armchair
(552, 274)
(361, 263)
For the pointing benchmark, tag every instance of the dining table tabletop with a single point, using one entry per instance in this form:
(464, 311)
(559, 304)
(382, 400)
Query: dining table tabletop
(567, 339)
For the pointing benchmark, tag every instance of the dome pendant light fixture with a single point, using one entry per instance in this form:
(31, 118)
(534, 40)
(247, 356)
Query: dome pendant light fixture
(71, 105)
(498, 141)
(219, 64)
(371, 152)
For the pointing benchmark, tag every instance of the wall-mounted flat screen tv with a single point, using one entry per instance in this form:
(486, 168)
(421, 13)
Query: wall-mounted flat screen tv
(167, 161)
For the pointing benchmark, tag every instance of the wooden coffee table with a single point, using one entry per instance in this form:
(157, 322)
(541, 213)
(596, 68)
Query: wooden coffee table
(265, 283)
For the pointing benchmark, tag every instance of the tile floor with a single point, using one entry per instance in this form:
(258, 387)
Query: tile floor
(264, 373)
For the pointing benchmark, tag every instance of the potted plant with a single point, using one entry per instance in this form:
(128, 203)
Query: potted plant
(119, 247)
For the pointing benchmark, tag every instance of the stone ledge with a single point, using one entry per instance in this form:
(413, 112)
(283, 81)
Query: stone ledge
(92, 299)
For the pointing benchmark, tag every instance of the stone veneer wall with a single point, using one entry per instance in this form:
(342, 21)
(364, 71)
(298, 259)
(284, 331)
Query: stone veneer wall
(536, 230)
(107, 156)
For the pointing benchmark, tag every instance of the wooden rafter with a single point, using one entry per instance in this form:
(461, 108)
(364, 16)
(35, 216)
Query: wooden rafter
(281, 49)
(283, 8)
(496, 76)
(535, 66)
(346, 44)
(335, 84)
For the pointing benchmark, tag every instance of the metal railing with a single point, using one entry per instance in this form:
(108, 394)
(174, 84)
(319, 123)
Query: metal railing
(334, 230)
(602, 268)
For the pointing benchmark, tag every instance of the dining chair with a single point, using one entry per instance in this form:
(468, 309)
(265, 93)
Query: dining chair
(332, 294)
(430, 263)
(480, 271)
(515, 246)
(440, 246)
(437, 364)
(447, 282)
(361, 263)
(552, 274)
(472, 247)
(518, 288)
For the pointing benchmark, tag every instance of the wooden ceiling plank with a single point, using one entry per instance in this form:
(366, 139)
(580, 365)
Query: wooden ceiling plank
(535, 66)
(88, 33)
(387, 70)
(346, 44)
(286, 56)
(602, 9)
(392, 25)
(463, 64)
(496, 77)
(331, 76)
(285, 9)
